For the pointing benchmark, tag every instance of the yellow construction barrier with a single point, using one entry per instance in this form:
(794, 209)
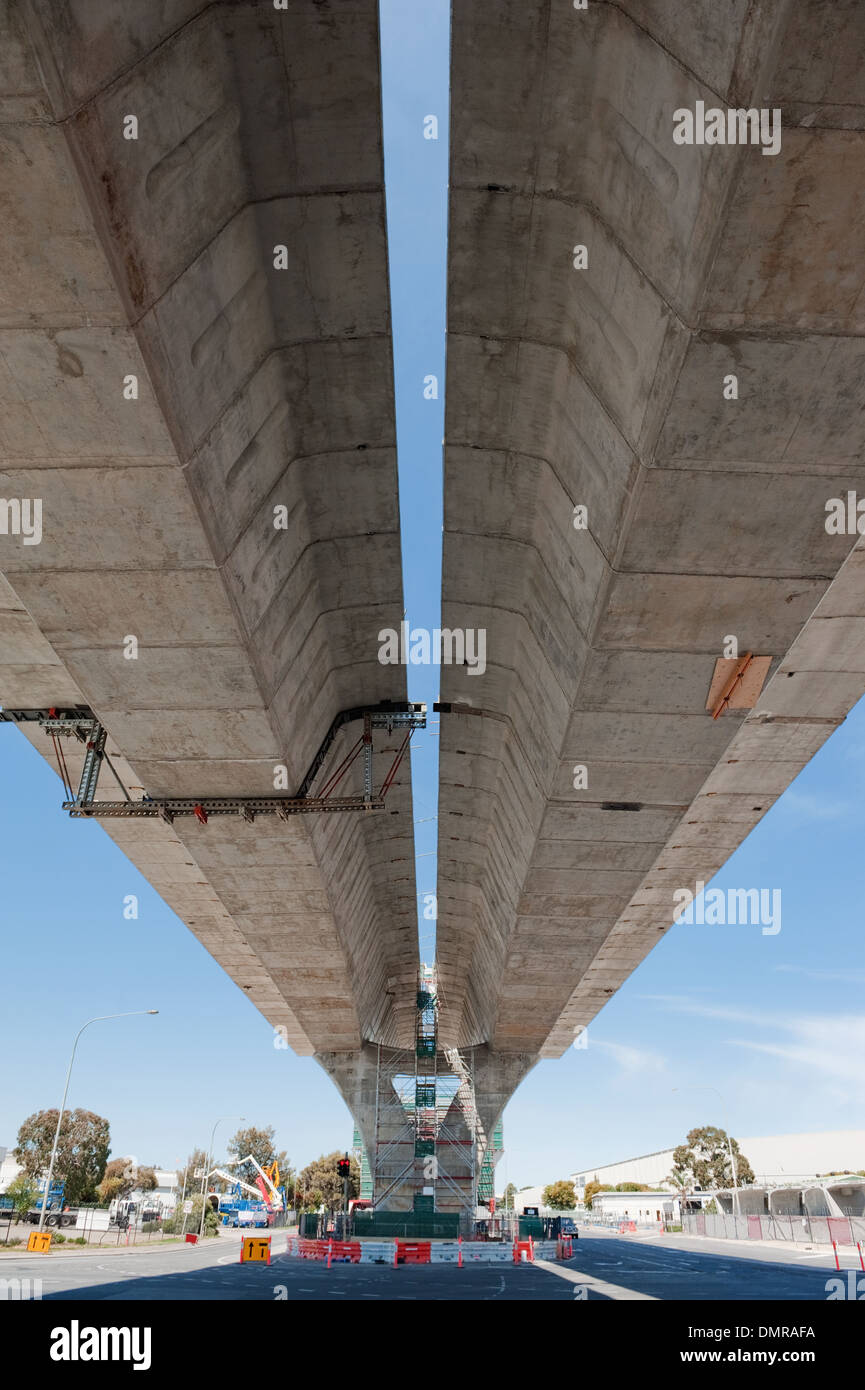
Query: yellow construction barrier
(255, 1248)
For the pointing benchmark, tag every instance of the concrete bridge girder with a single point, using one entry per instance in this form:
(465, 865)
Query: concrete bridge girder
(153, 257)
(603, 387)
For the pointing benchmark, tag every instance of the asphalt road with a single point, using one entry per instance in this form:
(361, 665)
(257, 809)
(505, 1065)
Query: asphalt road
(214, 1272)
(671, 1268)
(615, 1268)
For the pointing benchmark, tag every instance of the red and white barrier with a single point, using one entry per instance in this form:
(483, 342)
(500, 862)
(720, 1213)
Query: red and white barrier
(412, 1252)
(466, 1252)
(407, 1252)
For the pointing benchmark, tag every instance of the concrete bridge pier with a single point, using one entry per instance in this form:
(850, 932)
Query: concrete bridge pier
(473, 1086)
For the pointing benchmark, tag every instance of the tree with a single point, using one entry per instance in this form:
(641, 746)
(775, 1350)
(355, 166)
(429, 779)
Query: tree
(510, 1194)
(321, 1179)
(560, 1195)
(311, 1198)
(108, 1189)
(704, 1161)
(145, 1179)
(632, 1187)
(591, 1191)
(122, 1177)
(82, 1150)
(118, 1178)
(197, 1159)
(24, 1194)
(259, 1143)
(680, 1182)
(175, 1223)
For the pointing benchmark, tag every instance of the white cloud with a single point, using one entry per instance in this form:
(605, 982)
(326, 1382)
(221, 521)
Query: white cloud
(681, 1004)
(804, 806)
(631, 1059)
(853, 977)
(829, 1045)
(833, 1046)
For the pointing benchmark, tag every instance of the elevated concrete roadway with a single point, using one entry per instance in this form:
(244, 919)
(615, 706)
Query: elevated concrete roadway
(258, 387)
(603, 387)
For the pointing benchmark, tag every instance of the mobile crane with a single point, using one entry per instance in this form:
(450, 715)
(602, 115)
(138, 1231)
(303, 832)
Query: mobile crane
(269, 1198)
(273, 1195)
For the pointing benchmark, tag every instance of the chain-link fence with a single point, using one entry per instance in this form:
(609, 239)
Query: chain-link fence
(816, 1230)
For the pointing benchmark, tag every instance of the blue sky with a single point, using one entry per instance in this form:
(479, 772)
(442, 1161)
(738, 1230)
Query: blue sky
(775, 1023)
(415, 68)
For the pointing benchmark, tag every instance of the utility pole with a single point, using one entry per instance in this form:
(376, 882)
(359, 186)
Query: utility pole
(183, 1200)
(101, 1018)
(207, 1163)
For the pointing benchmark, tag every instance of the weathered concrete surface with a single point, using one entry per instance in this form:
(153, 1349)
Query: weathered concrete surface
(258, 387)
(366, 1079)
(261, 387)
(603, 387)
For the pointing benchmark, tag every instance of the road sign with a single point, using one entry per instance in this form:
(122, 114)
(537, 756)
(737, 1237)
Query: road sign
(40, 1241)
(187, 1207)
(255, 1248)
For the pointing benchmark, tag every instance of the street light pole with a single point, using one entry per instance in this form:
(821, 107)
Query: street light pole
(207, 1163)
(183, 1199)
(101, 1018)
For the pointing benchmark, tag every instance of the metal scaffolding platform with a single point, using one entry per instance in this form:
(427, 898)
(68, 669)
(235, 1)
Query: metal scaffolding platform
(430, 1153)
(83, 725)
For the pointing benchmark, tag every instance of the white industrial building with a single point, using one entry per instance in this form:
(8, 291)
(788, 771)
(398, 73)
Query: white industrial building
(166, 1190)
(642, 1207)
(530, 1197)
(9, 1169)
(777, 1160)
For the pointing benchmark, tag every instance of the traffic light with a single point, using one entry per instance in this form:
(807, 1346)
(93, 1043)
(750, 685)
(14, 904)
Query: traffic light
(343, 1167)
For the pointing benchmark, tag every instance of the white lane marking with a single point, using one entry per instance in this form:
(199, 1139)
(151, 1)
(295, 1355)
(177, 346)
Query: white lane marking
(54, 1256)
(574, 1276)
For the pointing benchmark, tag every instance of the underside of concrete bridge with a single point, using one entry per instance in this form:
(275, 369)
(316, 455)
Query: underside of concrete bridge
(256, 388)
(196, 381)
(603, 386)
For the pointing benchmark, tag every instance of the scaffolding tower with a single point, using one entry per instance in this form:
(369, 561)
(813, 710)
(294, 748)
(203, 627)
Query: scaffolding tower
(431, 1153)
(360, 1153)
